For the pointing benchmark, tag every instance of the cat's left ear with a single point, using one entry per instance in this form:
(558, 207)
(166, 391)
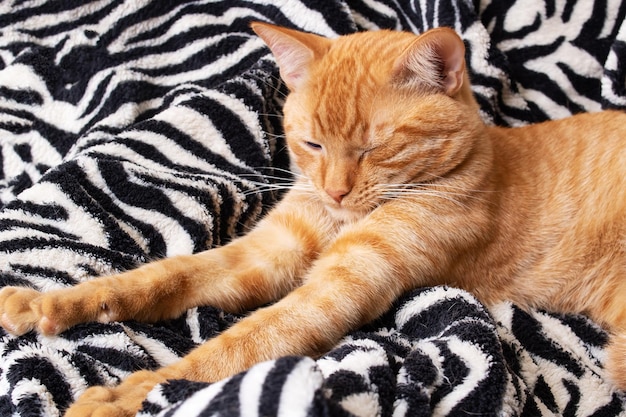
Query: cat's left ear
(294, 51)
(436, 59)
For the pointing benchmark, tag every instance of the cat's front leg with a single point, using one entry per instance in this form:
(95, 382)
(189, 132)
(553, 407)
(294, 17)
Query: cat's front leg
(354, 280)
(250, 271)
(49, 313)
(155, 291)
(344, 289)
(118, 297)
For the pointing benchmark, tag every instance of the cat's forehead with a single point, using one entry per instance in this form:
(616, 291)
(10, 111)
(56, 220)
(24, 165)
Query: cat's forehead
(374, 51)
(347, 85)
(339, 108)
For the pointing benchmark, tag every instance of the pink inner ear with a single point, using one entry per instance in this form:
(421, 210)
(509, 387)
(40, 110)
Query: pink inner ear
(453, 82)
(293, 59)
(435, 60)
(292, 55)
(452, 53)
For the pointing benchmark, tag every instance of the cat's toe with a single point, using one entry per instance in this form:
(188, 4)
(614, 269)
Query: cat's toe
(122, 401)
(19, 309)
(48, 326)
(99, 402)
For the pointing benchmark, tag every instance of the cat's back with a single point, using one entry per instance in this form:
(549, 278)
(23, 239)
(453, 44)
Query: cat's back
(566, 172)
(580, 156)
(559, 215)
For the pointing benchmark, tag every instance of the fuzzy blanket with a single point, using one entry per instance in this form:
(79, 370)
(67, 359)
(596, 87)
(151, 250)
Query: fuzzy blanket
(138, 129)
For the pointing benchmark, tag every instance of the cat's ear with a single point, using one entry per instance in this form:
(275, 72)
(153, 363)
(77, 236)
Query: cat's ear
(294, 51)
(436, 60)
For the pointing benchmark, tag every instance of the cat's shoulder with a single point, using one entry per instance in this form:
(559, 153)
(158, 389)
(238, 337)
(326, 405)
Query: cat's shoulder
(598, 117)
(594, 122)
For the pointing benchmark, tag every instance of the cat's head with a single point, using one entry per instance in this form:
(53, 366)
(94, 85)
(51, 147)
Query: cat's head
(373, 112)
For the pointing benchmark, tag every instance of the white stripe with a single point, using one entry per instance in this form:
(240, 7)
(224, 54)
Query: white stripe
(358, 361)
(299, 389)
(477, 363)
(28, 387)
(200, 399)
(252, 387)
(161, 353)
(193, 322)
(363, 404)
(199, 127)
(308, 19)
(155, 396)
(428, 299)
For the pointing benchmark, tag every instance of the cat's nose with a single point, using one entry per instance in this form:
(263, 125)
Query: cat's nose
(337, 195)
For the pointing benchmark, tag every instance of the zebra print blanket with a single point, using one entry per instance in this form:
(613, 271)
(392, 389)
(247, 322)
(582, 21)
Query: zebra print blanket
(137, 129)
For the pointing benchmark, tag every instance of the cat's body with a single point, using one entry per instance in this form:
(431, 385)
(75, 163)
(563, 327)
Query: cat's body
(403, 186)
(556, 236)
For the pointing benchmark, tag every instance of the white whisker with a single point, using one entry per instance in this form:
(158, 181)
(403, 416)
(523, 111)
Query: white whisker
(276, 87)
(280, 116)
(426, 187)
(285, 180)
(438, 177)
(422, 193)
(284, 184)
(286, 171)
(274, 135)
(442, 191)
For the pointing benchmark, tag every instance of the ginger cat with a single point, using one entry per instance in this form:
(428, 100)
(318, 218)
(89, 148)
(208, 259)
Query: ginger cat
(402, 186)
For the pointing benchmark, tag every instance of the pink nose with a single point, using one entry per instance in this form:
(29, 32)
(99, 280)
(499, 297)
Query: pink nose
(337, 195)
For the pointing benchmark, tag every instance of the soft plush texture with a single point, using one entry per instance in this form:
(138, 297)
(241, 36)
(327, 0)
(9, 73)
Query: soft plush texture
(135, 130)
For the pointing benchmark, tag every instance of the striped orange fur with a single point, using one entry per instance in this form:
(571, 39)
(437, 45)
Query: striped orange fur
(401, 185)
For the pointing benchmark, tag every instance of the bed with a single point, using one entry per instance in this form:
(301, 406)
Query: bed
(132, 130)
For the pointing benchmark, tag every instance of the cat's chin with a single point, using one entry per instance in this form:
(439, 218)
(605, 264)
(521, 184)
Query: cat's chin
(345, 215)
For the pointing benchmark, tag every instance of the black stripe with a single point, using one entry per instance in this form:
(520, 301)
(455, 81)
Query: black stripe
(344, 383)
(41, 369)
(227, 400)
(76, 185)
(9, 278)
(274, 383)
(213, 321)
(49, 211)
(175, 390)
(237, 134)
(53, 275)
(56, 7)
(119, 260)
(120, 359)
(528, 329)
(22, 96)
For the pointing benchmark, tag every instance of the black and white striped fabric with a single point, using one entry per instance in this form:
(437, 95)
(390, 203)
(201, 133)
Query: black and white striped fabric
(137, 129)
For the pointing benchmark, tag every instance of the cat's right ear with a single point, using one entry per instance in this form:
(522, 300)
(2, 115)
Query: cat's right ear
(294, 51)
(435, 60)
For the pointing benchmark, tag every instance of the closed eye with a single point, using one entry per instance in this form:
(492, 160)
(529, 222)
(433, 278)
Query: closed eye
(370, 150)
(313, 145)
(367, 151)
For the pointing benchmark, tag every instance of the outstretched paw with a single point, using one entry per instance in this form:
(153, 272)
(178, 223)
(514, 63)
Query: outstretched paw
(20, 309)
(25, 309)
(121, 401)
